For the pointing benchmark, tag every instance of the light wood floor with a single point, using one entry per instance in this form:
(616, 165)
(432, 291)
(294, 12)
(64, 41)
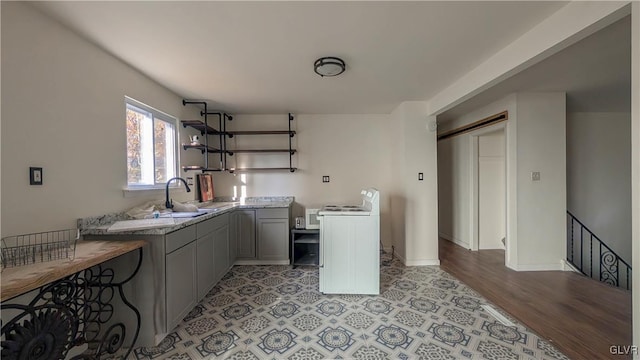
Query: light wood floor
(583, 318)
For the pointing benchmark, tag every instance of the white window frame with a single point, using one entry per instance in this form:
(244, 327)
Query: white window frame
(131, 189)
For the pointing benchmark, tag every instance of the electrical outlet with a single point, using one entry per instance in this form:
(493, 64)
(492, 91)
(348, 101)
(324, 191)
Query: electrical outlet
(325, 178)
(535, 176)
(420, 176)
(190, 181)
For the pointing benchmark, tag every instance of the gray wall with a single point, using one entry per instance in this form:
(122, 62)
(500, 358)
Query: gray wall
(63, 110)
(599, 176)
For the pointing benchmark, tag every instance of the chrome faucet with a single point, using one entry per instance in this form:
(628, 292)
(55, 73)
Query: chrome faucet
(169, 203)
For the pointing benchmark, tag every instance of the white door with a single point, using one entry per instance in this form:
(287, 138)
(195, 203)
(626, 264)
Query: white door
(491, 190)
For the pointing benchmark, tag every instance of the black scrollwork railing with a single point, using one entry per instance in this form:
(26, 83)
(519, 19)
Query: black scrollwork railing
(68, 313)
(594, 258)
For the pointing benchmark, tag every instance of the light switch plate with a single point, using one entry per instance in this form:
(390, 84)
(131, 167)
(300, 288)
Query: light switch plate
(420, 176)
(535, 176)
(35, 176)
(325, 178)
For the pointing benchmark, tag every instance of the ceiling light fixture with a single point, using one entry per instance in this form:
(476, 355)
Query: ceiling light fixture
(329, 66)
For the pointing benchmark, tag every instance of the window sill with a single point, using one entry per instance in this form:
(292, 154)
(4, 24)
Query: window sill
(130, 192)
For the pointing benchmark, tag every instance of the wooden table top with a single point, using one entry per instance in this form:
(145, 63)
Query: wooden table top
(22, 279)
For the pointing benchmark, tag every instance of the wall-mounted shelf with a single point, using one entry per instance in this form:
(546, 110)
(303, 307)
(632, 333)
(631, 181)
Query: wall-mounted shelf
(215, 142)
(214, 139)
(202, 148)
(290, 150)
(199, 168)
(248, 151)
(199, 125)
(234, 170)
(261, 132)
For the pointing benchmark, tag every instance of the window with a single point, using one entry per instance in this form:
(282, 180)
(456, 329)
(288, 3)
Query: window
(151, 145)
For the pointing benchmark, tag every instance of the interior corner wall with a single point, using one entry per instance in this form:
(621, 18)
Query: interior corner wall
(0, 129)
(398, 196)
(599, 176)
(63, 110)
(454, 219)
(635, 168)
(352, 149)
(541, 205)
(419, 151)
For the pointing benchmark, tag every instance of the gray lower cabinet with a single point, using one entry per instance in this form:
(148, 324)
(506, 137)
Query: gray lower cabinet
(220, 252)
(178, 270)
(262, 235)
(181, 283)
(206, 267)
(180, 267)
(213, 252)
(273, 234)
(272, 239)
(233, 239)
(245, 231)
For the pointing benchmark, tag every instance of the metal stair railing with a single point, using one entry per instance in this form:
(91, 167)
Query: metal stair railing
(597, 260)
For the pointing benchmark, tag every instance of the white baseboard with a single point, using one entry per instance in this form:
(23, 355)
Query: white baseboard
(538, 267)
(455, 241)
(416, 262)
(262, 262)
(422, 262)
(566, 266)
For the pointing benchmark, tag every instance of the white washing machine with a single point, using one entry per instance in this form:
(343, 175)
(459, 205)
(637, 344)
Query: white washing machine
(350, 246)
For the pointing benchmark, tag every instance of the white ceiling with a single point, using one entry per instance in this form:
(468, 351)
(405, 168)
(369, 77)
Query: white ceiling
(594, 72)
(257, 57)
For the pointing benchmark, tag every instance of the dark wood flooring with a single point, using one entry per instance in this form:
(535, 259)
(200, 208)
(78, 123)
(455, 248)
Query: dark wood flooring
(582, 317)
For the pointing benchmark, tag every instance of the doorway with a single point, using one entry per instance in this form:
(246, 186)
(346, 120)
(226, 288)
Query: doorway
(489, 188)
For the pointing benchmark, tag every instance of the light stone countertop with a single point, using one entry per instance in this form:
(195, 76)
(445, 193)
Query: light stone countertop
(98, 225)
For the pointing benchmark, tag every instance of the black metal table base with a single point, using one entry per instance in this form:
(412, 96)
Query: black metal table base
(70, 312)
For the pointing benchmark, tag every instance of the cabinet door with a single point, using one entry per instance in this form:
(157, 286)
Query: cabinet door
(233, 239)
(205, 264)
(273, 239)
(181, 284)
(221, 251)
(246, 232)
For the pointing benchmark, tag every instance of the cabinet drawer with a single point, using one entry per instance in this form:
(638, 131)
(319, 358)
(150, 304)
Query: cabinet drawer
(180, 238)
(277, 213)
(207, 226)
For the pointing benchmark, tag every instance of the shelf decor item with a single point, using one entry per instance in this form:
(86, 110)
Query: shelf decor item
(205, 183)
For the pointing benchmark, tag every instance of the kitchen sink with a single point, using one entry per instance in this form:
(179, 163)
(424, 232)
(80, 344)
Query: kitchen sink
(165, 219)
(141, 224)
(185, 214)
(216, 206)
(188, 214)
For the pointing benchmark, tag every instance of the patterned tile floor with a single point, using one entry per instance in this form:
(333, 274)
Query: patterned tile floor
(276, 312)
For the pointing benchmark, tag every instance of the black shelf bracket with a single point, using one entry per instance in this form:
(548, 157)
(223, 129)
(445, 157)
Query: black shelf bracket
(291, 169)
(222, 124)
(221, 132)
